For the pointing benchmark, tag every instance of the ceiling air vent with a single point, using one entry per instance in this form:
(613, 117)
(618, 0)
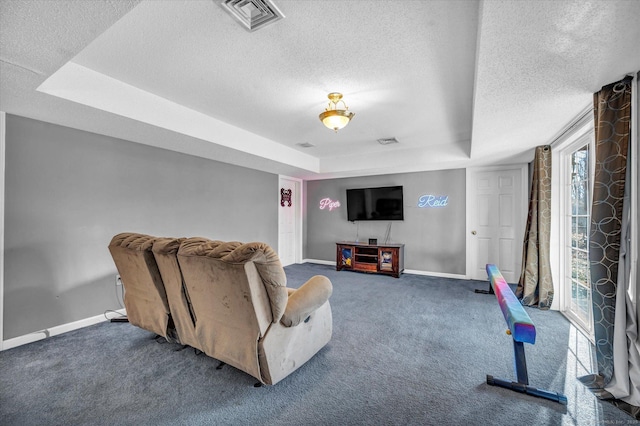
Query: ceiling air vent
(305, 145)
(253, 14)
(387, 141)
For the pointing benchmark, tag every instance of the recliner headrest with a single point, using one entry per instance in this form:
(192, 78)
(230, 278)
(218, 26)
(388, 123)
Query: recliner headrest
(133, 241)
(167, 245)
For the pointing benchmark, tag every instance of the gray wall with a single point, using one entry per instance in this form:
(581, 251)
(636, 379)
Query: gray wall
(434, 238)
(68, 192)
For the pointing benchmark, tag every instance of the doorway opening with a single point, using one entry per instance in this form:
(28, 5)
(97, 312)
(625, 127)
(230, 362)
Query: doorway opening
(575, 169)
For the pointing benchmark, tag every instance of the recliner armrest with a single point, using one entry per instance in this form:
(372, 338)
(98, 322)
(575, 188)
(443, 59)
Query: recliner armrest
(305, 300)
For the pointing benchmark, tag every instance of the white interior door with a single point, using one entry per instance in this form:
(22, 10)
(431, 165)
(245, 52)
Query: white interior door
(2, 168)
(289, 220)
(496, 217)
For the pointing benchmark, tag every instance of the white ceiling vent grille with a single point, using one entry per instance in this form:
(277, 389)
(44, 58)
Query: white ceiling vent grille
(387, 141)
(305, 145)
(253, 14)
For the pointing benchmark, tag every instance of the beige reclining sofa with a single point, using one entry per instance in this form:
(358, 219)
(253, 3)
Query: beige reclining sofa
(230, 300)
(165, 251)
(145, 298)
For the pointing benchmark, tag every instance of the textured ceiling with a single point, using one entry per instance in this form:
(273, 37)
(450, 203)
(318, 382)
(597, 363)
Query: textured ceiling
(458, 83)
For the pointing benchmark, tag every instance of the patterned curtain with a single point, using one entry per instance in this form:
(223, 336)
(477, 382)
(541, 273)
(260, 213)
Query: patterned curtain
(615, 331)
(535, 287)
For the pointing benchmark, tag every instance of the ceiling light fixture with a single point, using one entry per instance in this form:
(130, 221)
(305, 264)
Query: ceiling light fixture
(333, 117)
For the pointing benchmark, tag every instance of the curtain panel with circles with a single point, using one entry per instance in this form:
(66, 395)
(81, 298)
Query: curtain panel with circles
(614, 310)
(535, 287)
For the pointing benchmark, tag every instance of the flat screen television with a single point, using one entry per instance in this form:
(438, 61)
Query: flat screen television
(384, 203)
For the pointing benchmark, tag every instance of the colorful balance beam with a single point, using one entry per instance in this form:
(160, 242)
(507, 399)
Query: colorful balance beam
(522, 330)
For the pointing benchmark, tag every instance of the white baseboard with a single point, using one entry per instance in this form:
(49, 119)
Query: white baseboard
(406, 271)
(436, 274)
(54, 331)
(320, 262)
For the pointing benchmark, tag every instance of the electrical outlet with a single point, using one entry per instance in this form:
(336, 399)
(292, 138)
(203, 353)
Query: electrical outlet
(118, 280)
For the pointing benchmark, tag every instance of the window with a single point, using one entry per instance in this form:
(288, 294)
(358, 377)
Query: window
(577, 283)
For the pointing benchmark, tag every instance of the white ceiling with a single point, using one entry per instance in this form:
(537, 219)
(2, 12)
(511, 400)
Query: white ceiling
(458, 83)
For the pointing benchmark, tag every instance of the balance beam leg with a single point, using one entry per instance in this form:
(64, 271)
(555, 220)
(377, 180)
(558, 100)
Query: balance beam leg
(522, 385)
(520, 363)
(529, 390)
(490, 291)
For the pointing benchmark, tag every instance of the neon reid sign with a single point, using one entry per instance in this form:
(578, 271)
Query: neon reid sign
(433, 201)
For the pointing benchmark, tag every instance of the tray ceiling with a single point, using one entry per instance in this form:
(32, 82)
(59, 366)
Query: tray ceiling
(456, 83)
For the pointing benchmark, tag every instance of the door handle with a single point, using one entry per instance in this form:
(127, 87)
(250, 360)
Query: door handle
(473, 232)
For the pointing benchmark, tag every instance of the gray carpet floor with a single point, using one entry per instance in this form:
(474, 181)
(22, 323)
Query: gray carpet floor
(409, 351)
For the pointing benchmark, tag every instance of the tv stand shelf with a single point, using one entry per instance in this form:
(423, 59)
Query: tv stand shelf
(385, 259)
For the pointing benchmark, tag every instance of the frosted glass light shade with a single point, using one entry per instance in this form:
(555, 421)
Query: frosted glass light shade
(336, 119)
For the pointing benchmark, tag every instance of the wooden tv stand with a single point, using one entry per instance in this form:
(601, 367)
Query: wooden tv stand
(385, 259)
